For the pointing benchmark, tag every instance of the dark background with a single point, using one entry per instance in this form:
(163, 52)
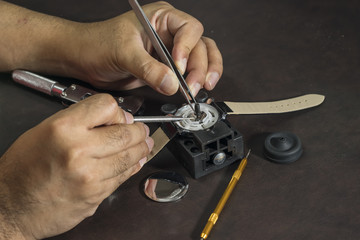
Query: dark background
(272, 50)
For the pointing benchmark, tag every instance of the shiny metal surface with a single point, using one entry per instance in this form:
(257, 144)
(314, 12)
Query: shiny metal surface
(71, 94)
(160, 118)
(165, 186)
(219, 158)
(209, 116)
(38, 83)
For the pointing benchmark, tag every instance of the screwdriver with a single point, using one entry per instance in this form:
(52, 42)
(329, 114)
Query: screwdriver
(215, 215)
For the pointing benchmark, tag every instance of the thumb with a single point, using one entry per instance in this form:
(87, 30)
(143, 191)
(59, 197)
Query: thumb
(156, 74)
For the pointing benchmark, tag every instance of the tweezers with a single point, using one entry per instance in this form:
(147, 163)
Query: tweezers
(163, 53)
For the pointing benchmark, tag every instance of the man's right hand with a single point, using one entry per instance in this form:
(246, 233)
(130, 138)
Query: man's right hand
(57, 173)
(115, 54)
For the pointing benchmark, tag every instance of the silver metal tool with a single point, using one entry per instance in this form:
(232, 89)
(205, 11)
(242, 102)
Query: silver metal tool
(164, 54)
(161, 118)
(72, 94)
(76, 93)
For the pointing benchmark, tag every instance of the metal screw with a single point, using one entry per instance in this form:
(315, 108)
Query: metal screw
(121, 99)
(219, 158)
(63, 94)
(73, 86)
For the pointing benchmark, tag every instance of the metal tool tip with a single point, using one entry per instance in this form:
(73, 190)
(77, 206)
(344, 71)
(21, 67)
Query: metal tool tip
(248, 153)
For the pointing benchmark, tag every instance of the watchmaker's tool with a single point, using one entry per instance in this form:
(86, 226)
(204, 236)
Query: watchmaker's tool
(76, 93)
(159, 119)
(215, 215)
(70, 94)
(164, 55)
(202, 145)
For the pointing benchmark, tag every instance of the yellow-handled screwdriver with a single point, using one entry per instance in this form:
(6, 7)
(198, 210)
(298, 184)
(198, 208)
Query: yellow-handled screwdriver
(215, 215)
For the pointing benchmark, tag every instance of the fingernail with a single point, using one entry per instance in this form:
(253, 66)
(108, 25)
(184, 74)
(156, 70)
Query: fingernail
(150, 142)
(212, 78)
(147, 130)
(195, 88)
(182, 65)
(128, 117)
(142, 161)
(168, 84)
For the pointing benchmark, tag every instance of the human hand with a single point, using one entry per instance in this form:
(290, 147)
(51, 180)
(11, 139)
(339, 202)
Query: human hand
(114, 54)
(117, 53)
(58, 173)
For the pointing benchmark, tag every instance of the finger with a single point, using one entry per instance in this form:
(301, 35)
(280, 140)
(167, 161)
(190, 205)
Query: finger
(156, 74)
(109, 140)
(98, 110)
(197, 68)
(215, 68)
(113, 183)
(186, 31)
(115, 165)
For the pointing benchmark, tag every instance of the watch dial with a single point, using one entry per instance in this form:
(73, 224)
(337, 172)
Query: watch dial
(209, 116)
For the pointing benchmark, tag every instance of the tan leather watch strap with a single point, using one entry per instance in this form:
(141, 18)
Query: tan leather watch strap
(160, 140)
(282, 106)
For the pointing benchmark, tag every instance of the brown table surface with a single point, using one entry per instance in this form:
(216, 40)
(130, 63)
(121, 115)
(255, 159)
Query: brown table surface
(272, 50)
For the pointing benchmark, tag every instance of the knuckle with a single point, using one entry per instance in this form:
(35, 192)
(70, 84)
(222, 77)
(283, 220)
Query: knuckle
(147, 70)
(85, 178)
(72, 160)
(137, 168)
(187, 49)
(197, 26)
(153, 73)
(125, 137)
(58, 127)
(144, 149)
(219, 67)
(73, 154)
(208, 40)
(121, 163)
(141, 132)
(81, 176)
(125, 176)
(217, 64)
(122, 137)
(108, 101)
(122, 180)
(163, 3)
(91, 210)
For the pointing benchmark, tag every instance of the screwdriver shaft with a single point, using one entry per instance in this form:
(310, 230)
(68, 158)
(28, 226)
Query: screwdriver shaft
(159, 118)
